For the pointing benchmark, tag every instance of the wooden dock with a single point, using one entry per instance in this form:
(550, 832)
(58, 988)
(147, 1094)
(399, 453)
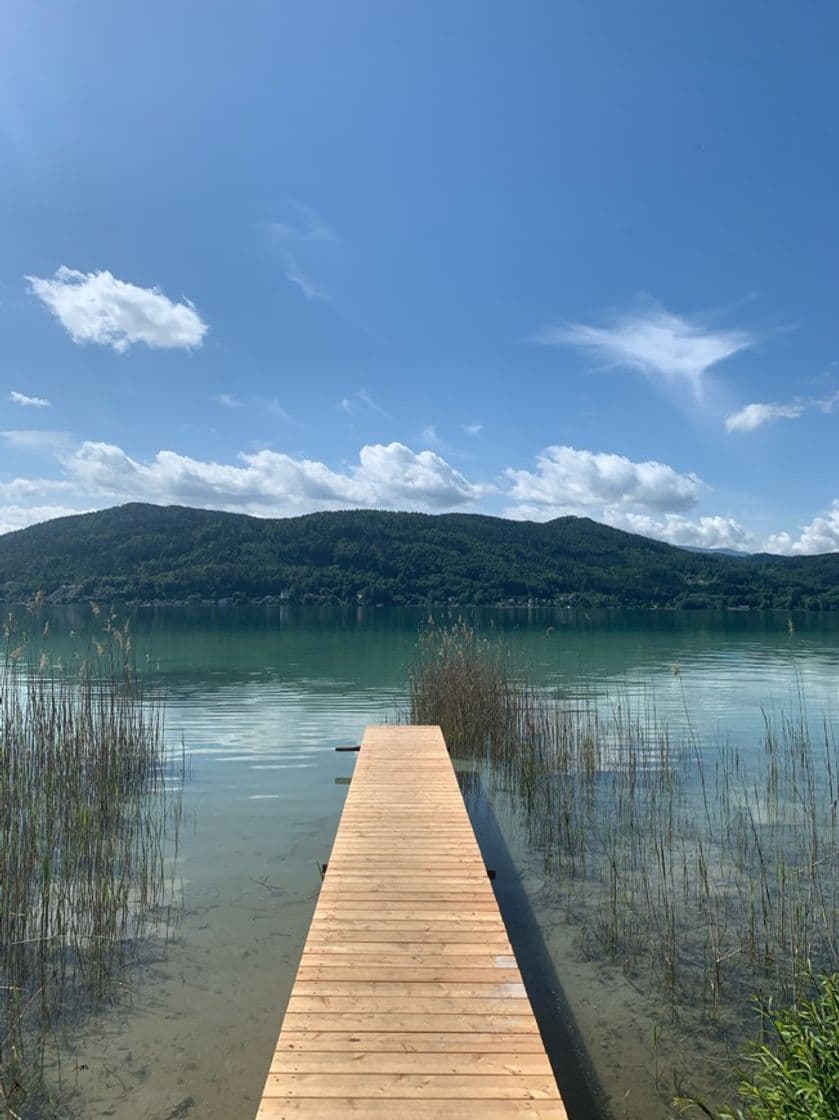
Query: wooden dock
(408, 1002)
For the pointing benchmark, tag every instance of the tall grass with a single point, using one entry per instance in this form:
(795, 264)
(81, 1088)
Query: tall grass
(707, 875)
(465, 684)
(86, 822)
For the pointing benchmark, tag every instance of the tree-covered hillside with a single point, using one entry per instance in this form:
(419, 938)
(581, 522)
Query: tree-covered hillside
(144, 552)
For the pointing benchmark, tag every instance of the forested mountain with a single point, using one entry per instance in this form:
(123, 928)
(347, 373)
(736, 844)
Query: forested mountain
(139, 553)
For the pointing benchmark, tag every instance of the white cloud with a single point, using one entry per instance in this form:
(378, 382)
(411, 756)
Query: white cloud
(227, 400)
(649, 498)
(20, 489)
(429, 435)
(568, 480)
(473, 429)
(752, 416)
(674, 528)
(655, 342)
(270, 483)
(821, 535)
(28, 402)
(97, 307)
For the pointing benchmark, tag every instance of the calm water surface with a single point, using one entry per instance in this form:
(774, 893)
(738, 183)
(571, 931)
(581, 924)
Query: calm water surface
(261, 698)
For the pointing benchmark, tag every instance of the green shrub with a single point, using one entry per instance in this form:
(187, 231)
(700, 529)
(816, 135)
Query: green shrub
(797, 1077)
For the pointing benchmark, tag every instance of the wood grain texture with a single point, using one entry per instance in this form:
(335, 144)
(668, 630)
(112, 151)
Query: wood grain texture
(408, 1001)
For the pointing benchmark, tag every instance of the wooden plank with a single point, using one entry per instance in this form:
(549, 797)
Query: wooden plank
(378, 1004)
(409, 1062)
(404, 913)
(394, 912)
(336, 926)
(425, 1042)
(407, 1021)
(375, 972)
(408, 1001)
(413, 960)
(512, 989)
(357, 1108)
(429, 897)
(397, 1086)
(434, 949)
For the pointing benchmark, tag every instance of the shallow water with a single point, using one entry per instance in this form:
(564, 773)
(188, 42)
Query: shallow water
(261, 698)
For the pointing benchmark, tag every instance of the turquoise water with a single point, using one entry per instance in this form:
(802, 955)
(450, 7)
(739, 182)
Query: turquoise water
(261, 697)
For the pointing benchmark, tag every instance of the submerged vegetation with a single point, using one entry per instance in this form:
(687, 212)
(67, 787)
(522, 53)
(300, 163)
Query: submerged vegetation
(707, 873)
(87, 823)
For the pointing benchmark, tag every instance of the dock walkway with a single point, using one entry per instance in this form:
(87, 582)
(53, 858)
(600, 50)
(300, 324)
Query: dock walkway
(408, 1002)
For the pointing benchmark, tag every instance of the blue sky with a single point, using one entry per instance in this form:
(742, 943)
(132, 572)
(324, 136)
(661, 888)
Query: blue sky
(525, 259)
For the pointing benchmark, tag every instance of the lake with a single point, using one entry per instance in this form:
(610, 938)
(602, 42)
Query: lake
(261, 698)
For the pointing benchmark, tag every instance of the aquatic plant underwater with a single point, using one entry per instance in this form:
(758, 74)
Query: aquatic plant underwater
(89, 815)
(707, 873)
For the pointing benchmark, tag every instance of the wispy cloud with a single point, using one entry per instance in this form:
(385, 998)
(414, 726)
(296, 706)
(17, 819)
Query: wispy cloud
(294, 274)
(227, 400)
(657, 343)
(97, 307)
(28, 402)
(755, 415)
(300, 239)
(273, 407)
(361, 402)
(36, 439)
(473, 429)
(303, 224)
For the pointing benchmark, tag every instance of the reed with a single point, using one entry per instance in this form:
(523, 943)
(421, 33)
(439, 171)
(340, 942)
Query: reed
(705, 872)
(463, 683)
(87, 821)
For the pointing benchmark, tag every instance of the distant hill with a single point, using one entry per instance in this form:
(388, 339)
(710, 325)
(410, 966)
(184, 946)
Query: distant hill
(716, 551)
(140, 553)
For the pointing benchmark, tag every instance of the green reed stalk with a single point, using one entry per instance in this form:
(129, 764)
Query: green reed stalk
(86, 819)
(701, 875)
